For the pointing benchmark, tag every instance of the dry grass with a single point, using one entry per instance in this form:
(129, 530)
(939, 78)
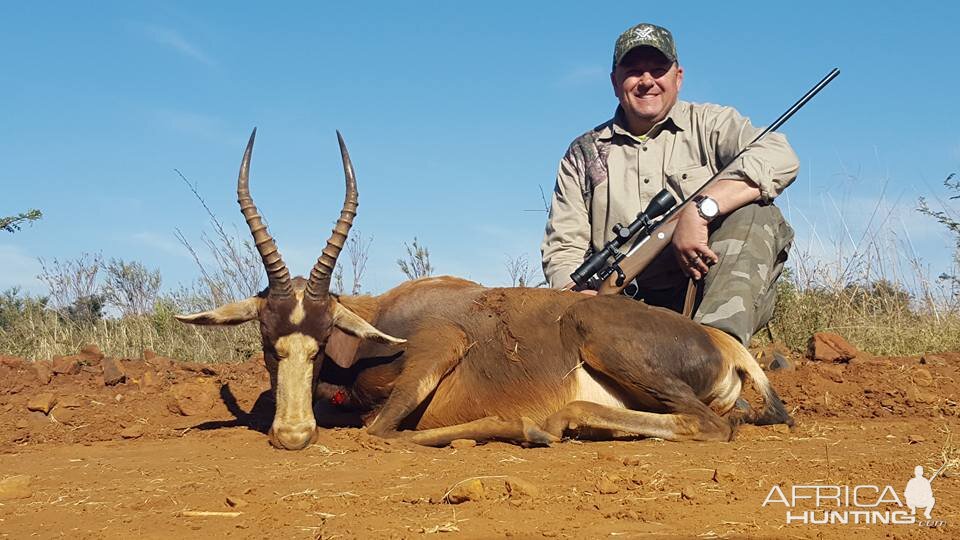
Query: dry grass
(42, 334)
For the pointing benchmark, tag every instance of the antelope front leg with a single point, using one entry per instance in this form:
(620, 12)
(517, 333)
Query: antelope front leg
(430, 355)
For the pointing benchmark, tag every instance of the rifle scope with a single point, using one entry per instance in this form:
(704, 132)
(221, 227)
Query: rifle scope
(660, 204)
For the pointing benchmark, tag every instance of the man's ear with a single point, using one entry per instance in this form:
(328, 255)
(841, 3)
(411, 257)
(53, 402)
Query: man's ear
(230, 314)
(613, 83)
(679, 77)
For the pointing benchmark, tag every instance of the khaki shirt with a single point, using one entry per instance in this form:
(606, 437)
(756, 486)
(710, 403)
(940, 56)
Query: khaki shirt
(680, 154)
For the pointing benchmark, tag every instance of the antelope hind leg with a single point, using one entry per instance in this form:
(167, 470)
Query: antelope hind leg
(701, 424)
(430, 355)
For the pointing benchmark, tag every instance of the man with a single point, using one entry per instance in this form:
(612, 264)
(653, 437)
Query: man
(733, 239)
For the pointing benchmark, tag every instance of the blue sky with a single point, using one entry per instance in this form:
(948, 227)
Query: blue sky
(456, 115)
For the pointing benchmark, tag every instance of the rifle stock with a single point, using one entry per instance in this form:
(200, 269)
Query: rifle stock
(641, 256)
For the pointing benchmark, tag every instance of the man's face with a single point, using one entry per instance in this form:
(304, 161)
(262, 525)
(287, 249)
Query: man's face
(647, 84)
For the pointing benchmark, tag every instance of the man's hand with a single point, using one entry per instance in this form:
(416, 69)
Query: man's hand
(690, 243)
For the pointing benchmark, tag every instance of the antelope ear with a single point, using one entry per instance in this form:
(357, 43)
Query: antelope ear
(230, 314)
(351, 323)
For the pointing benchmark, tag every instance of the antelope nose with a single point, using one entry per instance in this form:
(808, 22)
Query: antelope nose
(293, 437)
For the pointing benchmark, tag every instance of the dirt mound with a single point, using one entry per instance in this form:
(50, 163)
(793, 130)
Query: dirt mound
(94, 447)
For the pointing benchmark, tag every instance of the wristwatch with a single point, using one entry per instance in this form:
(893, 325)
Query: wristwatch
(707, 207)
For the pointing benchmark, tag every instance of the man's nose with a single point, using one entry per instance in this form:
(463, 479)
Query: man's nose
(646, 79)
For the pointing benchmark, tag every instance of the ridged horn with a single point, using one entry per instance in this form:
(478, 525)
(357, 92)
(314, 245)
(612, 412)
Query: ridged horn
(277, 273)
(319, 284)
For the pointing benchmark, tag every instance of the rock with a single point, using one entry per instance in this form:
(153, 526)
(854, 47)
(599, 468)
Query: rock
(64, 415)
(66, 365)
(91, 353)
(780, 362)
(829, 347)
(457, 444)
(12, 362)
(607, 454)
(687, 493)
(470, 490)
(922, 377)
(195, 367)
(606, 486)
(42, 402)
(519, 488)
(191, 399)
(781, 428)
(44, 371)
(916, 439)
(15, 487)
(725, 472)
(149, 355)
(113, 372)
(631, 461)
(132, 431)
(70, 402)
(236, 502)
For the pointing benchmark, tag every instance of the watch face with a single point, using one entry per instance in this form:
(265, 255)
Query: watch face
(708, 207)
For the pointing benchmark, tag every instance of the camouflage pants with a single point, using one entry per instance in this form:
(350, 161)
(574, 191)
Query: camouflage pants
(738, 293)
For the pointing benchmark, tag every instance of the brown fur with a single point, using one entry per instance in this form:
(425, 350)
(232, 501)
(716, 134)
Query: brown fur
(525, 355)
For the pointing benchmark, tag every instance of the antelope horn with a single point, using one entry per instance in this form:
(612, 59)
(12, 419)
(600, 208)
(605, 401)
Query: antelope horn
(319, 284)
(277, 273)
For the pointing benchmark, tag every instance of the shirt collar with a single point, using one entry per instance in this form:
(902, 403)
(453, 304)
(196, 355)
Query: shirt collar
(678, 119)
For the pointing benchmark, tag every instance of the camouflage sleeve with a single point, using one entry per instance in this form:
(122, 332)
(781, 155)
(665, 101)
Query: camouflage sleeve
(567, 236)
(771, 164)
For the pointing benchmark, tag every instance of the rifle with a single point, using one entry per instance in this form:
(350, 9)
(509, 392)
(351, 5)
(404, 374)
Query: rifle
(649, 237)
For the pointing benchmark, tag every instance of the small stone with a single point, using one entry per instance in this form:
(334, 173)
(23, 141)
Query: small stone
(631, 461)
(687, 493)
(780, 362)
(471, 490)
(191, 399)
(132, 431)
(64, 415)
(149, 355)
(92, 352)
(70, 402)
(44, 371)
(457, 444)
(520, 488)
(113, 372)
(607, 487)
(15, 487)
(922, 377)
(607, 454)
(781, 428)
(830, 347)
(915, 439)
(236, 502)
(66, 365)
(724, 472)
(42, 402)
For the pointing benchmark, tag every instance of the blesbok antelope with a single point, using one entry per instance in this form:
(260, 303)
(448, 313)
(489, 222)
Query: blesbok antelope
(518, 364)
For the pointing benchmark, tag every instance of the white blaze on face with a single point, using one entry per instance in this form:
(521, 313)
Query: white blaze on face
(294, 417)
(298, 313)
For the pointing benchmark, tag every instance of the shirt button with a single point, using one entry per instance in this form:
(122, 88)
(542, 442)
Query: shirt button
(646, 180)
(644, 148)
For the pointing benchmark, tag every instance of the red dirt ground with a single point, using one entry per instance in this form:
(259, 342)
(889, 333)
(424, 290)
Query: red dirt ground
(125, 461)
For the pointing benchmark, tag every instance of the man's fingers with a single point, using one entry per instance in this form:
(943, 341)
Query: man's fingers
(708, 254)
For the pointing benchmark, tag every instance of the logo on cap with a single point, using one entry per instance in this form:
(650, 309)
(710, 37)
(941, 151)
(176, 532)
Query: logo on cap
(643, 32)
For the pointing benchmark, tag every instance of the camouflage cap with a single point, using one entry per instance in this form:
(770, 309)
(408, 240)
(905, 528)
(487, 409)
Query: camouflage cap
(647, 34)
